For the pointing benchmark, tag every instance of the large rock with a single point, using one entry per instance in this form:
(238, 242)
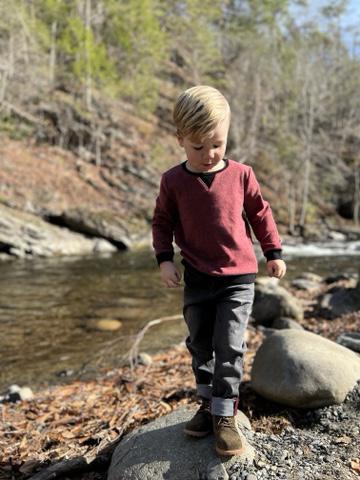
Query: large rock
(23, 234)
(341, 301)
(283, 322)
(97, 224)
(272, 301)
(350, 340)
(302, 369)
(161, 451)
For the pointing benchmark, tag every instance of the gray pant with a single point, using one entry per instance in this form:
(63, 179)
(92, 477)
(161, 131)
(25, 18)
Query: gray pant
(216, 311)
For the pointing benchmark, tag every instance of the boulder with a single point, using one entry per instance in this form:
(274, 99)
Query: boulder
(284, 322)
(340, 301)
(271, 302)
(312, 277)
(161, 451)
(23, 235)
(301, 369)
(103, 224)
(337, 277)
(350, 340)
(267, 281)
(304, 284)
(17, 394)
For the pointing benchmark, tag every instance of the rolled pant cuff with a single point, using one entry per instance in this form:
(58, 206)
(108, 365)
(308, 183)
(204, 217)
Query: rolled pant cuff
(204, 390)
(223, 407)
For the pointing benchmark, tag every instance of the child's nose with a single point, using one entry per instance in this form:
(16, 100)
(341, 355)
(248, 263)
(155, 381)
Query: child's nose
(211, 153)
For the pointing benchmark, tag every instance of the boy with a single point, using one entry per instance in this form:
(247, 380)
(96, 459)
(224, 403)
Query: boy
(205, 203)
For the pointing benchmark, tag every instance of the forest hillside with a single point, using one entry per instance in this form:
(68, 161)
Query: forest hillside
(86, 95)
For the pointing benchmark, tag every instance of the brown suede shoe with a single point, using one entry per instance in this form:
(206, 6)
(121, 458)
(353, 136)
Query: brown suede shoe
(227, 437)
(201, 423)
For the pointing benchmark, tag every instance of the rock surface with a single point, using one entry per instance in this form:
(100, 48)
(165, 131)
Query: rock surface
(350, 340)
(97, 224)
(341, 301)
(161, 451)
(23, 234)
(284, 322)
(302, 369)
(272, 301)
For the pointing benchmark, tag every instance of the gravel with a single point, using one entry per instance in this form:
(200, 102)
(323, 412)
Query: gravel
(319, 446)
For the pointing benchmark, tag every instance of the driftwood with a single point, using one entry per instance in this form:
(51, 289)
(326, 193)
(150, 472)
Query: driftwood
(131, 356)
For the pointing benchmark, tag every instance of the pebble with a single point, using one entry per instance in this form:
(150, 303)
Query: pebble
(16, 394)
(279, 456)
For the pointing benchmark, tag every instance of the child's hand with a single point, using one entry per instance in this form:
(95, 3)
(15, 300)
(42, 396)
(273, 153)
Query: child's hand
(170, 275)
(276, 268)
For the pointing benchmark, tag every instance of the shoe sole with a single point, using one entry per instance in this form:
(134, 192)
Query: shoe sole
(229, 453)
(196, 434)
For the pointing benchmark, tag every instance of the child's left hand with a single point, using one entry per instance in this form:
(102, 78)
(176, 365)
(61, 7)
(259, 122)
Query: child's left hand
(276, 268)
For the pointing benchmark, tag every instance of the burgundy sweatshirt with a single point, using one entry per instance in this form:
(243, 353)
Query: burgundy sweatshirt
(208, 223)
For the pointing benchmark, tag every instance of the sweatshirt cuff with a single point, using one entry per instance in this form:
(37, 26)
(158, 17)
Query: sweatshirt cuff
(275, 254)
(164, 257)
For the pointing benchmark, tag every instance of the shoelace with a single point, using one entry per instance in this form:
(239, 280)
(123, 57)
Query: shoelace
(205, 406)
(225, 422)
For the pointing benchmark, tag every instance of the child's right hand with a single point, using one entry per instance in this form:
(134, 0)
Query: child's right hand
(170, 275)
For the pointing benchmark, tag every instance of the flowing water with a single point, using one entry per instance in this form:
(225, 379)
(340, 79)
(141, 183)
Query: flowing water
(48, 308)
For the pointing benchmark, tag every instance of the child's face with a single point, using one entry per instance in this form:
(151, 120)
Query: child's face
(205, 155)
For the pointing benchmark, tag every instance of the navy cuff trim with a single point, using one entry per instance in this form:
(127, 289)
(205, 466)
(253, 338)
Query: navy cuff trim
(164, 257)
(275, 254)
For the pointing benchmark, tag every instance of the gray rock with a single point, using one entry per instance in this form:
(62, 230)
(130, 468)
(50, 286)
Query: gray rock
(350, 340)
(283, 322)
(304, 370)
(16, 394)
(216, 470)
(312, 277)
(338, 236)
(304, 284)
(26, 393)
(161, 451)
(267, 281)
(144, 359)
(98, 224)
(272, 302)
(26, 235)
(337, 277)
(341, 301)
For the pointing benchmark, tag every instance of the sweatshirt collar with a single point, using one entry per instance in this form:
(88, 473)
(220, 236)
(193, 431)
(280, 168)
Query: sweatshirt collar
(205, 173)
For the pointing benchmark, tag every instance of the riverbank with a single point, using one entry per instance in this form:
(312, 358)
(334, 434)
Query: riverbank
(80, 423)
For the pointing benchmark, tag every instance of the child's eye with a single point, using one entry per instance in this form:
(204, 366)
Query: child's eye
(197, 148)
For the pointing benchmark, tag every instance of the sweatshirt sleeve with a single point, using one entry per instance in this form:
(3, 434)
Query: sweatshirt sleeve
(259, 214)
(163, 222)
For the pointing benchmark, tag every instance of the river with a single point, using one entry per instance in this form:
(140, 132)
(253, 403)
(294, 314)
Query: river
(47, 308)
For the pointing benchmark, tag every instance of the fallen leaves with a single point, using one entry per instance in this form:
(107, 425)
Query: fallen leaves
(345, 440)
(81, 419)
(355, 464)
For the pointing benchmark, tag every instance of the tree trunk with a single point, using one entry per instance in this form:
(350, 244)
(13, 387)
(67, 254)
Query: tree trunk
(308, 139)
(88, 80)
(357, 192)
(53, 52)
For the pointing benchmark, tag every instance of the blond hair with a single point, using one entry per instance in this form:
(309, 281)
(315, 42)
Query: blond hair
(198, 111)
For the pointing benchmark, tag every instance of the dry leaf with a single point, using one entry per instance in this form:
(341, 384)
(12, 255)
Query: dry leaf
(344, 439)
(68, 434)
(355, 464)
